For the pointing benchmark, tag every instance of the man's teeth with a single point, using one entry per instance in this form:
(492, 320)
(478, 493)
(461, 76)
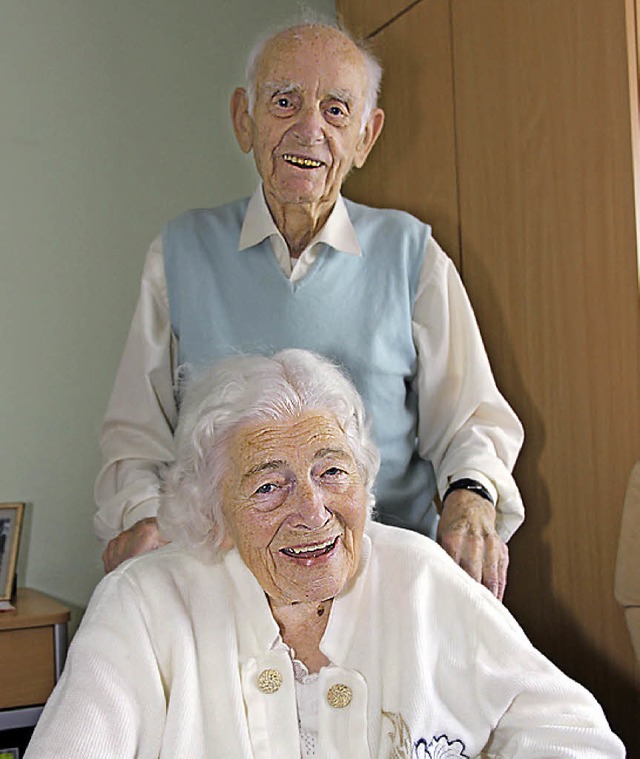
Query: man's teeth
(307, 163)
(310, 549)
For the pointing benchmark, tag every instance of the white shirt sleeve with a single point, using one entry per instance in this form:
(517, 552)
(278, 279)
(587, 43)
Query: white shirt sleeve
(466, 428)
(137, 432)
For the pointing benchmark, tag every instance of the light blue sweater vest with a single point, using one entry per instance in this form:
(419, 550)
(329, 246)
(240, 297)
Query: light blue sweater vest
(354, 310)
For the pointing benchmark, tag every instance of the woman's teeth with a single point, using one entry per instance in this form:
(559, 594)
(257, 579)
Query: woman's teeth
(315, 549)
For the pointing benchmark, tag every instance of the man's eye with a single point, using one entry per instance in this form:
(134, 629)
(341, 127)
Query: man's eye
(337, 111)
(283, 102)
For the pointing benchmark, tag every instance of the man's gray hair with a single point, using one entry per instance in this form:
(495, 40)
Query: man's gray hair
(243, 390)
(373, 66)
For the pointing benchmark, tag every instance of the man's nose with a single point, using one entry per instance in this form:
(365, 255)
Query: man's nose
(308, 507)
(309, 128)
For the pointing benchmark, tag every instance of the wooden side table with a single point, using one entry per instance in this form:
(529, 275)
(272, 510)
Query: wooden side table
(33, 647)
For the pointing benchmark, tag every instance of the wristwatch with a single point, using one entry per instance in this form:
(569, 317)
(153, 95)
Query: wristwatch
(468, 484)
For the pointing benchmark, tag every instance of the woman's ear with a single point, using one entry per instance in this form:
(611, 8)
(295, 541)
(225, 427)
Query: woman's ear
(368, 137)
(227, 543)
(241, 120)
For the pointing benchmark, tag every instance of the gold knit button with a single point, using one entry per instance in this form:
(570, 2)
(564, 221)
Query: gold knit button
(339, 696)
(269, 681)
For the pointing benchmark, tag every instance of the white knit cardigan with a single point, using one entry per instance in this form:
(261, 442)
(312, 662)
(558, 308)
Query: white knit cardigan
(167, 660)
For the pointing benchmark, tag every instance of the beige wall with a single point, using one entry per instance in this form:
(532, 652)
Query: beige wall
(113, 120)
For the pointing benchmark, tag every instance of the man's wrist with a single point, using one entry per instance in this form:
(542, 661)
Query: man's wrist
(466, 483)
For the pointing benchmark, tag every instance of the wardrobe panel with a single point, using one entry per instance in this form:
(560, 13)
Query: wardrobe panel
(413, 164)
(549, 256)
(365, 18)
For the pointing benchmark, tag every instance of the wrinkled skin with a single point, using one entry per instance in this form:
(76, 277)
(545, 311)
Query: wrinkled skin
(143, 536)
(295, 487)
(468, 534)
(307, 129)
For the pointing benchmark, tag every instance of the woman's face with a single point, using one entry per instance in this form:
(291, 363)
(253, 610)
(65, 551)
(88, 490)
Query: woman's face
(294, 505)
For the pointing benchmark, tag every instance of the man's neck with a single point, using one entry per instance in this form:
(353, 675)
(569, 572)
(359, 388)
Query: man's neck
(299, 223)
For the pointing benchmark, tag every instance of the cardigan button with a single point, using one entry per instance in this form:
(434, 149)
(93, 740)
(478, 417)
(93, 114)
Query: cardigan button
(339, 696)
(269, 681)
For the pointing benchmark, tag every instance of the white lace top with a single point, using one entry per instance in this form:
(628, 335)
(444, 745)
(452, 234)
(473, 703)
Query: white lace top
(307, 694)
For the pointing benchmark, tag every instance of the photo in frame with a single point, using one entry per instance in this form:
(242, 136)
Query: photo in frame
(9, 753)
(10, 524)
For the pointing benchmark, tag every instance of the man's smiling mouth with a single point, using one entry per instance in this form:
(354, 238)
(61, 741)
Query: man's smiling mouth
(310, 551)
(302, 163)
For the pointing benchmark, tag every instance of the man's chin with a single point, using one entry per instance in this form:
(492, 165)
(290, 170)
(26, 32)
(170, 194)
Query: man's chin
(302, 193)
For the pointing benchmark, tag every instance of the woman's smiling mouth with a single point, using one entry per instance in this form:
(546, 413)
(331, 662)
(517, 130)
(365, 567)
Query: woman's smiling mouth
(311, 551)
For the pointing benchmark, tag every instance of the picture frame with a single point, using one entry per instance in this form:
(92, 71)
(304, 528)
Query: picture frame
(10, 523)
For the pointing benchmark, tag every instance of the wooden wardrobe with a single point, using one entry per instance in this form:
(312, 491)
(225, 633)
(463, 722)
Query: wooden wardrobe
(512, 128)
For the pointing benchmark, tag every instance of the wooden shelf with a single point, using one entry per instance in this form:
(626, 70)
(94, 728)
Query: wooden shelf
(33, 609)
(33, 638)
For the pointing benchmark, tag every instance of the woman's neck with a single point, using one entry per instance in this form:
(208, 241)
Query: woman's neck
(302, 626)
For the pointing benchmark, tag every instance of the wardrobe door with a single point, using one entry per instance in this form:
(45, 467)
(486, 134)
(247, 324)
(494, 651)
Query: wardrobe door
(413, 165)
(544, 109)
(366, 18)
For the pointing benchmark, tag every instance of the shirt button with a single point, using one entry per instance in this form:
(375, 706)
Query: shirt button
(339, 696)
(269, 681)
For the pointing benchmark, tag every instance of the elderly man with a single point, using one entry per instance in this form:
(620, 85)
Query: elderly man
(283, 623)
(299, 266)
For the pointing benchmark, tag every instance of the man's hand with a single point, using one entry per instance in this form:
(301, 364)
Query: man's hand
(143, 536)
(467, 532)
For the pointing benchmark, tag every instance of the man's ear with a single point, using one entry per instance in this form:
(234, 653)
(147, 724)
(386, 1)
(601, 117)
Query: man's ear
(368, 137)
(241, 120)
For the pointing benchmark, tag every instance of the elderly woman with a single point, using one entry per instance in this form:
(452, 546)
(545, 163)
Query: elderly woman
(282, 622)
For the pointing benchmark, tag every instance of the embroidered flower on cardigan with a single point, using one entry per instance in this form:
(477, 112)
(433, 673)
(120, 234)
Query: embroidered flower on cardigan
(439, 748)
(399, 736)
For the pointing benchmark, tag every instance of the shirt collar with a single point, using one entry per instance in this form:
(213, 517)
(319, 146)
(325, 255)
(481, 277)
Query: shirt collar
(338, 231)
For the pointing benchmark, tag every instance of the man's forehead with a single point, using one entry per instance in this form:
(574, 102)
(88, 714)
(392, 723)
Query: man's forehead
(312, 36)
(324, 50)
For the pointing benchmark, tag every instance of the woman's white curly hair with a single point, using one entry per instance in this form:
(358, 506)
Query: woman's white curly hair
(243, 390)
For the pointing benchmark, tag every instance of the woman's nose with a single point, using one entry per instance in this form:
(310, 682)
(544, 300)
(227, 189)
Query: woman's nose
(309, 509)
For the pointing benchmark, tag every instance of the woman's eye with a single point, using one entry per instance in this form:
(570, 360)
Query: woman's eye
(334, 471)
(267, 488)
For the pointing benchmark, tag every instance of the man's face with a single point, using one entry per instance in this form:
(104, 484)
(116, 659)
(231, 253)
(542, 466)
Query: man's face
(306, 131)
(294, 505)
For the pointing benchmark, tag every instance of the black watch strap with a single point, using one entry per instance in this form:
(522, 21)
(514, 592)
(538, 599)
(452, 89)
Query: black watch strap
(468, 484)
